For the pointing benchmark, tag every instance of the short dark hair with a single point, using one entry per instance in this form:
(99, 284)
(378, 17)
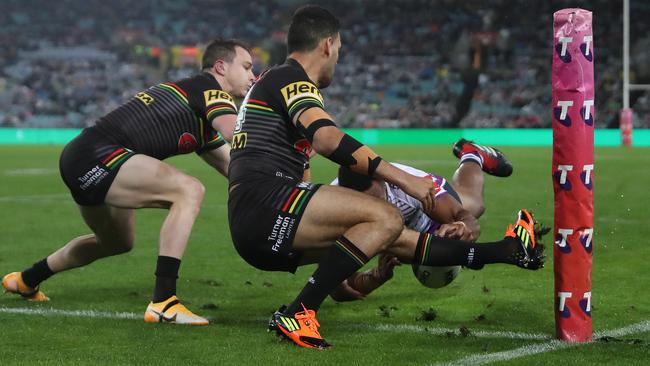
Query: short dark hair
(221, 49)
(310, 24)
(352, 180)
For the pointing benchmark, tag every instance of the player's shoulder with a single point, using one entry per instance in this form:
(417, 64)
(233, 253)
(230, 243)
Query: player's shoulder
(291, 79)
(205, 86)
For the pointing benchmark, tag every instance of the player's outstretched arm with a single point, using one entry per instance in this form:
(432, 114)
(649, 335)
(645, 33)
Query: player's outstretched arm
(328, 140)
(218, 159)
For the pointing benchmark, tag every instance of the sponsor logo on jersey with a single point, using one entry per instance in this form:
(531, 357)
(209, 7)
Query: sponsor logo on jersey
(299, 90)
(214, 96)
(187, 143)
(239, 140)
(145, 98)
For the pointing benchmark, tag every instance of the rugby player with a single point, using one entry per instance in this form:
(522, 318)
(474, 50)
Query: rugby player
(279, 222)
(459, 205)
(116, 166)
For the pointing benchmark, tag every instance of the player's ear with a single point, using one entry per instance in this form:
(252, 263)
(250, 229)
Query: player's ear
(328, 43)
(219, 67)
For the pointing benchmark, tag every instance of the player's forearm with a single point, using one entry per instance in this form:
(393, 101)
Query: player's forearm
(219, 159)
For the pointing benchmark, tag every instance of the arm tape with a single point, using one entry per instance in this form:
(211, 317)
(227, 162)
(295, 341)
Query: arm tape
(372, 165)
(310, 131)
(343, 153)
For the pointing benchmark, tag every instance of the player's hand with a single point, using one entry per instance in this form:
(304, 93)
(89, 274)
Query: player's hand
(424, 190)
(344, 292)
(458, 230)
(387, 263)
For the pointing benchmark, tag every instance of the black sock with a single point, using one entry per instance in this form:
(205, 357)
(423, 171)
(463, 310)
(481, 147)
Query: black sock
(433, 250)
(342, 260)
(38, 273)
(166, 276)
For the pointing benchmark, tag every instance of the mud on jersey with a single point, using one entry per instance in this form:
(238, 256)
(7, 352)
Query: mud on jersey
(170, 118)
(266, 140)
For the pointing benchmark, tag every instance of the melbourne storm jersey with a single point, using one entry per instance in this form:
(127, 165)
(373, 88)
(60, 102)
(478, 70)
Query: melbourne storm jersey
(266, 140)
(170, 118)
(410, 208)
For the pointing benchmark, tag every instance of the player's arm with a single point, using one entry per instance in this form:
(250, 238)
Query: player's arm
(457, 223)
(225, 124)
(218, 158)
(328, 140)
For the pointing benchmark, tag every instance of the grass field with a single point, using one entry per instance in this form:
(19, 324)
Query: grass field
(501, 314)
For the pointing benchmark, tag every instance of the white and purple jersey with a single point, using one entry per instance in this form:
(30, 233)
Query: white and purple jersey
(410, 207)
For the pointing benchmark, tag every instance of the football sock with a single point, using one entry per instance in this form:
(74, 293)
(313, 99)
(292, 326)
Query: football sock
(166, 276)
(38, 273)
(473, 157)
(433, 250)
(341, 261)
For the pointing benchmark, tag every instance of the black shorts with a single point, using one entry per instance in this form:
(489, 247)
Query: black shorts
(89, 164)
(264, 213)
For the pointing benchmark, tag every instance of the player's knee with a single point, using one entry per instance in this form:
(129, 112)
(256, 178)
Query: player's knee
(391, 222)
(192, 192)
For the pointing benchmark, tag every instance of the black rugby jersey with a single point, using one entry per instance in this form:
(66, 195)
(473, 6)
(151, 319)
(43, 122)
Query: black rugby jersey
(266, 140)
(170, 118)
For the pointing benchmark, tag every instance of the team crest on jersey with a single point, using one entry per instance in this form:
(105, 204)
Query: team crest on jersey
(215, 96)
(299, 90)
(187, 143)
(304, 146)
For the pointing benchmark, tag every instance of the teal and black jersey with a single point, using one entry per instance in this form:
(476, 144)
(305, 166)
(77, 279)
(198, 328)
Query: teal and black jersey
(266, 139)
(170, 118)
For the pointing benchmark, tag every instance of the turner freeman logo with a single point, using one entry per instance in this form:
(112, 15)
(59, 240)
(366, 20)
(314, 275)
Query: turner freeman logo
(298, 90)
(187, 143)
(92, 177)
(281, 231)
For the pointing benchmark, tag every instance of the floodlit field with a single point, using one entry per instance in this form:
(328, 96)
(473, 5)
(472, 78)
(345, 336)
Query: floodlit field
(501, 314)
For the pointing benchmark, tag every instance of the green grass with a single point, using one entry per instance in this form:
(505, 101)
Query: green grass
(498, 298)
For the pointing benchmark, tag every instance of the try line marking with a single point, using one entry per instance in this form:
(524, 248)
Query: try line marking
(405, 328)
(549, 346)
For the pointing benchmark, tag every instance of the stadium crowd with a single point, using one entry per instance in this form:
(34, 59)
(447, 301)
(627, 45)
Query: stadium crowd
(416, 63)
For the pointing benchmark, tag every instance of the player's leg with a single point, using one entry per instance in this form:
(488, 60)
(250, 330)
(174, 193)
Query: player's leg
(521, 246)
(147, 182)
(113, 234)
(360, 226)
(468, 179)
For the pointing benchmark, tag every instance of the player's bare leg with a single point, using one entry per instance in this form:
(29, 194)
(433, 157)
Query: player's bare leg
(468, 181)
(113, 235)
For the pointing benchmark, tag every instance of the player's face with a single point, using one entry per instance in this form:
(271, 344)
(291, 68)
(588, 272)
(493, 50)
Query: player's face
(240, 73)
(327, 73)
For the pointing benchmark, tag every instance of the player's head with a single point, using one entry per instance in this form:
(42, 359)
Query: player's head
(315, 30)
(231, 62)
(360, 182)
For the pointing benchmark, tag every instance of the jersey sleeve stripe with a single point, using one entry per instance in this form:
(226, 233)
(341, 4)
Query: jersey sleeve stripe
(296, 106)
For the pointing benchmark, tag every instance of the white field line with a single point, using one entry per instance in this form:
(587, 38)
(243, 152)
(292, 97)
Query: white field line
(70, 313)
(30, 171)
(552, 345)
(37, 198)
(378, 327)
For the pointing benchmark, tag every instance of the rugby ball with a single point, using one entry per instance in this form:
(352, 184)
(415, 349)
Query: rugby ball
(435, 277)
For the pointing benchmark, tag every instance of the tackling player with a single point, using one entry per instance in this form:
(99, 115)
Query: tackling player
(116, 166)
(279, 222)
